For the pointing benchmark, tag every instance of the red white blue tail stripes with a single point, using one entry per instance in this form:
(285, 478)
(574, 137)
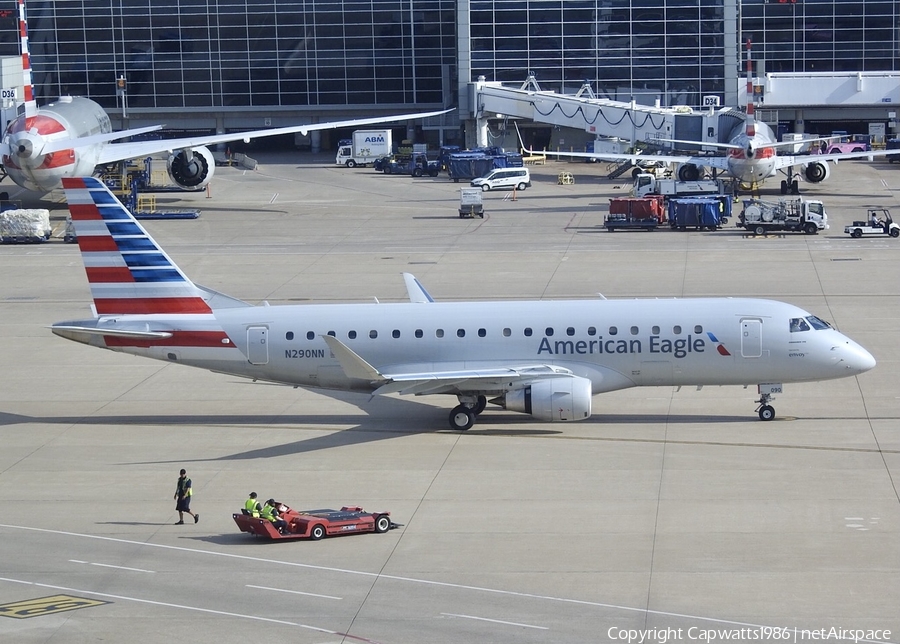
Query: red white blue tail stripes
(127, 271)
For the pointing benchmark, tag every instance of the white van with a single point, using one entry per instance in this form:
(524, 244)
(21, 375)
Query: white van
(518, 178)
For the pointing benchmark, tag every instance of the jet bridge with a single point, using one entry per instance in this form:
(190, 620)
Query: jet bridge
(600, 117)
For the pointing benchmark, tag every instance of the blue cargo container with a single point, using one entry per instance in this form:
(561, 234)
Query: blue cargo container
(702, 213)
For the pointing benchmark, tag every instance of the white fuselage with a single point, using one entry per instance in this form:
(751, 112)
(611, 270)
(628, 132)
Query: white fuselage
(754, 162)
(613, 343)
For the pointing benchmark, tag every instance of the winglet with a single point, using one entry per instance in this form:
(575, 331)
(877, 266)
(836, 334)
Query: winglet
(351, 363)
(416, 291)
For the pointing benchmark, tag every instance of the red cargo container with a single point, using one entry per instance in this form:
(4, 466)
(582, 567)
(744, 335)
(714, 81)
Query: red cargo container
(636, 212)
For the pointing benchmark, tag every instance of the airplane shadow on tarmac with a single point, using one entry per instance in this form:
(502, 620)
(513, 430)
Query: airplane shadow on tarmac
(387, 418)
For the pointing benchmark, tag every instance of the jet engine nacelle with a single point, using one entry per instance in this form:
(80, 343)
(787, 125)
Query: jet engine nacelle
(688, 172)
(553, 399)
(191, 167)
(817, 171)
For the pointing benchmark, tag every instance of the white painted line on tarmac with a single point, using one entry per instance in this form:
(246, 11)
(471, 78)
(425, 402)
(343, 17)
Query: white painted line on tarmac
(496, 621)
(427, 582)
(186, 607)
(293, 592)
(92, 563)
(274, 197)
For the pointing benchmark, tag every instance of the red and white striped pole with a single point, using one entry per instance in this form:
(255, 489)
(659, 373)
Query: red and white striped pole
(751, 118)
(30, 104)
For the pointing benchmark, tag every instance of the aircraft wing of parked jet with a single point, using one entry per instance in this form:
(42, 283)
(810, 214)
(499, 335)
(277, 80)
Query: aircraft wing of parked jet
(71, 136)
(543, 358)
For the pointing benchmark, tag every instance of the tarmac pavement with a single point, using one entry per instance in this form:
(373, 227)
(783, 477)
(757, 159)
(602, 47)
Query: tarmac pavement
(666, 509)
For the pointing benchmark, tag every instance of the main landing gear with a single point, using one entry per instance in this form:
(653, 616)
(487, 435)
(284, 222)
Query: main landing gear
(462, 417)
(765, 410)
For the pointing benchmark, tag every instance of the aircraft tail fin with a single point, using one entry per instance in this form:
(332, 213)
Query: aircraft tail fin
(127, 270)
(30, 102)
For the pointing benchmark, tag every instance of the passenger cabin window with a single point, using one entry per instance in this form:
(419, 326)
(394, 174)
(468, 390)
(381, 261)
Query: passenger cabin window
(634, 330)
(570, 331)
(592, 330)
(698, 329)
(613, 330)
(351, 335)
(482, 333)
(676, 329)
(310, 335)
(332, 334)
(395, 333)
(419, 333)
(507, 332)
(289, 335)
(798, 325)
(548, 331)
(439, 333)
(460, 333)
(373, 334)
(655, 330)
(528, 332)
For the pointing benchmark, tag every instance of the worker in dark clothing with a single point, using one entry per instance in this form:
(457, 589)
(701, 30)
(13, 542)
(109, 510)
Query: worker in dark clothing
(183, 494)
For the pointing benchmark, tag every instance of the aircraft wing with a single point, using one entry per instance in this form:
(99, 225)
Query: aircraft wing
(440, 382)
(137, 149)
(802, 159)
(717, 162)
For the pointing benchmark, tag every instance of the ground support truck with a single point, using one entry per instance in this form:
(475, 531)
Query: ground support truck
(635, 213)
(647, 184)
(364, 147)
(794, 215)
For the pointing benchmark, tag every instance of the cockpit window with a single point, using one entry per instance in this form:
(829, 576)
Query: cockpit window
(817, 323)
(798, 325)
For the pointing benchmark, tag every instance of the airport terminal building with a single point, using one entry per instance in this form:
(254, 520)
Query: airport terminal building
(230, 64)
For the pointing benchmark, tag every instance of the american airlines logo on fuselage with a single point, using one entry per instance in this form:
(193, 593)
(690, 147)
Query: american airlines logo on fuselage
(678, 348)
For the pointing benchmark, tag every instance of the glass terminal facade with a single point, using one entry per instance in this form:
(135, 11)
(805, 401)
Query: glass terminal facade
(673, 50)
(260, 54)
(223, 53)
(824, 35)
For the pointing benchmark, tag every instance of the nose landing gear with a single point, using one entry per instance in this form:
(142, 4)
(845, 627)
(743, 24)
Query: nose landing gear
(765, 410)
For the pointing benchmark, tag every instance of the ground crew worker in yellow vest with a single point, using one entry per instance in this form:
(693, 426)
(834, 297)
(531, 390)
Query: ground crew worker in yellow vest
(252, 506)
(270, 512)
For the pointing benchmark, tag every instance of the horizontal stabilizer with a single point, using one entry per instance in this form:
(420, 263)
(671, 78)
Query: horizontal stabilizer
(64, 329)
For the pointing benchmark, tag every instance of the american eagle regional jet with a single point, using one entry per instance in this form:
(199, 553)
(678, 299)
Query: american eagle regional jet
(72, 136)
(543, 358)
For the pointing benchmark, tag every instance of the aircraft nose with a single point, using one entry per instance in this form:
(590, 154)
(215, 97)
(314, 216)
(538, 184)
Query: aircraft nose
(855, 358)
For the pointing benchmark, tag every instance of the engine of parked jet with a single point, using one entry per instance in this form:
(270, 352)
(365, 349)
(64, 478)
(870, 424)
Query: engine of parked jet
(191, 168)
(552, 399)
(816, 172)
(688, 172)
